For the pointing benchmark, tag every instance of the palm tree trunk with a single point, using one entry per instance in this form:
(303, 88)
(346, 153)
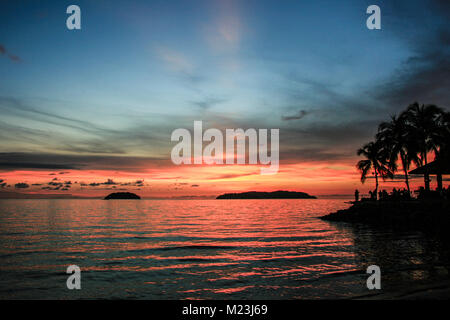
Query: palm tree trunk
(407, 180)
(405, 169)
(426, 176)
(439, 182)
(376, 185)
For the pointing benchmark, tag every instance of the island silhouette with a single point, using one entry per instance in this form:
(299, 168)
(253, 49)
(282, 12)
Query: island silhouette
(267, 195)
(122, 195)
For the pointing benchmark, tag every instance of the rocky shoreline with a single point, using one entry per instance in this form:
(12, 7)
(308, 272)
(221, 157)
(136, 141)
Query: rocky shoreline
(431, 215)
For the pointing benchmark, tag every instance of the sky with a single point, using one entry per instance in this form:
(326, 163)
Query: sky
(84, 112)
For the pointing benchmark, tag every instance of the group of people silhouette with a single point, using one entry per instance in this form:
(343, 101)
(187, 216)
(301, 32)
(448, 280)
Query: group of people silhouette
(403, 194)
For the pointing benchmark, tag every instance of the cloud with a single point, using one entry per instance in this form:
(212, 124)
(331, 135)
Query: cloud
(208, 102)
(109, 182)
(224, 31)
(425, 75)
(42, 161)
(300, 115)
(94, 184)
(11, 56)
(21, 185)
(52, 185)
(31, 165)
(50, 131)
(234, 175)
(174, 60)
(179, 64)
(14, 57)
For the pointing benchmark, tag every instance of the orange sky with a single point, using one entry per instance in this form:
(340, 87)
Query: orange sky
(319, 179)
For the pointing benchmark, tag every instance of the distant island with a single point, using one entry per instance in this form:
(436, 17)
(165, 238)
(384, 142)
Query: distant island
(122, 195)
(267, 195)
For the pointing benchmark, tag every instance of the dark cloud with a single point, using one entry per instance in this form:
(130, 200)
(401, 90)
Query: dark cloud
(289, 156)
(11, 56)
(18, 160)
(300, 115)
(31, 165)
(14, 57)
(137, 183)
(109, 182)
(320, 135)
(21, 185)
(425, 75)
(195, 186)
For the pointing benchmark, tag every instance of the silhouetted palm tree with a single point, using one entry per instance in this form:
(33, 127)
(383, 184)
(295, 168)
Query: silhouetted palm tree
(424, 131)
(395, 138)
(443, 139)
(376, 160)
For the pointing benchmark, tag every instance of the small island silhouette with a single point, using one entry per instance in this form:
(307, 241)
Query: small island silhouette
(267, 195)
(122, 195)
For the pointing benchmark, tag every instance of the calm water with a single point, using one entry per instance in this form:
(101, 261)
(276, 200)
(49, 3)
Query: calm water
(201, 249)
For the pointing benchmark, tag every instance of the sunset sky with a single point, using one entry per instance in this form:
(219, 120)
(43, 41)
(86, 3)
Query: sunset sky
(84, 112)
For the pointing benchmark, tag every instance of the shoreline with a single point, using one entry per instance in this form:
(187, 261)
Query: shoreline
(431, 217)
(433, 291)
(423, 215)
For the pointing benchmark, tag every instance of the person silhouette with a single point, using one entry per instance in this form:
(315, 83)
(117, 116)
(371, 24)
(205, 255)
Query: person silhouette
(356, 195)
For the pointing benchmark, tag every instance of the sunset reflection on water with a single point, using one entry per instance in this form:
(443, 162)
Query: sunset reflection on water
(194, 249)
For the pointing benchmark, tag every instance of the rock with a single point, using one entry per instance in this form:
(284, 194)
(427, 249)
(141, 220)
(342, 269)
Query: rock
(122, 195)
(267, 195)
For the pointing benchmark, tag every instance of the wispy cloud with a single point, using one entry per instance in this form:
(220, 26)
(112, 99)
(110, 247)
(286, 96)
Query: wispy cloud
(208, 102)
(11, 56)
(174, 60)
(300, 115)
(224, 32)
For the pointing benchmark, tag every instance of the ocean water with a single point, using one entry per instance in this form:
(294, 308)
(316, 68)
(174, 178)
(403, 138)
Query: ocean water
(202, 249)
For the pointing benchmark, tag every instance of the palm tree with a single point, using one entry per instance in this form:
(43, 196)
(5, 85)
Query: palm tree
(424, 125)
(376, 160)
(443, 150)
(443, 139)
(395, 138)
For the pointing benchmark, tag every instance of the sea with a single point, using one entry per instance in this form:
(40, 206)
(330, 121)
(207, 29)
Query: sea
(204, 249)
